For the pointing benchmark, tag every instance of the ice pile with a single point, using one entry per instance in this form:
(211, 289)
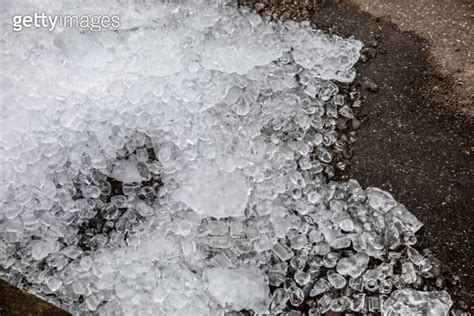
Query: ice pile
(179, 165)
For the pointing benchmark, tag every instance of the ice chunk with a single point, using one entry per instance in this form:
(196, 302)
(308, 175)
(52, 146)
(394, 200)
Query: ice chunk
(279, 299)
(302, 278)
(54, 283)
(238, 289)
(337, 280)
(409, 302)
(353, 265)
(296, 295)
(407, 218)
(212, 192)
(320, 287)
(380, 200)
(408, 273)
(127, 171)
(282, 251)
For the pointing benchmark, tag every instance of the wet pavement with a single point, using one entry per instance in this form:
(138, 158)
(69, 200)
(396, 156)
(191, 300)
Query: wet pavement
(415, 141)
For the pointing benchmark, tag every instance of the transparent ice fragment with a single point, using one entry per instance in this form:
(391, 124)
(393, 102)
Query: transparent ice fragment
(298, 242)
(409, 302)
(330, 260)
(337, 280)
(415, 256)
(357, 284)
(407, 218)
(119, 200)
(386, 286)
(323, 154)
(374, 303)
(409, 238)
(408, 273)
(222, 260)
(340, 304)
(221, 242)
(314, 197)
(320, 287)
(325, 303)
(282, 251)
(71, 252)
(11, 236)
(358, 302)
(302, 278)
(93, 301)
(296, 295)
(54, 283)
(144, 209)
(341, 242)
(354, 265)
(380, 200)
(346, 111)
(276, 278)
(127, 171)
(237, 229)
(263, 243)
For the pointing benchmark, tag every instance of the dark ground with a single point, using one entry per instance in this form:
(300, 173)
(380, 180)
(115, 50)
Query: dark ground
(414, 142)
(15, 302)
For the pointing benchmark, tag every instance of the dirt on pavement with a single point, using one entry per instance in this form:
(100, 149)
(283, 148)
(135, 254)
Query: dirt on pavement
(447, 28)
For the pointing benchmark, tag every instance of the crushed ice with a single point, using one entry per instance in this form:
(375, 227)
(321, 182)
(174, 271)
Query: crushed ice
(179, 166)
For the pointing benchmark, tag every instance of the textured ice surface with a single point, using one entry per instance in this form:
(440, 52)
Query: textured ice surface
(409, 302)
(239, 289)
(213, 192)
(139, 165)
